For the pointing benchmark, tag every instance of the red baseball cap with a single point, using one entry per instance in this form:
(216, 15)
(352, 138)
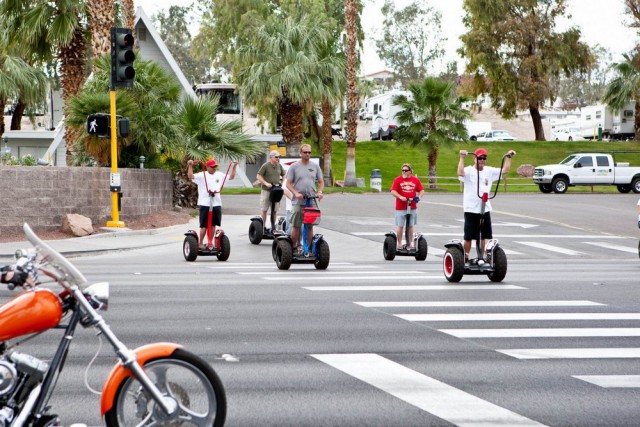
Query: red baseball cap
(481, 152)
(211, 163)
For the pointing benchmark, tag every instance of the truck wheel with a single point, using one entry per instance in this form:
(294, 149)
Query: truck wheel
(624, 188)
(453, 264)
(474, 138)
(389, 248)
(545, 188)
(255, 232)
(560, 185)
(499, 265)
(635, 185)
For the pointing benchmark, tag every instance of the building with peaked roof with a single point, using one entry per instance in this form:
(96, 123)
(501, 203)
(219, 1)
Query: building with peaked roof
(152, 47)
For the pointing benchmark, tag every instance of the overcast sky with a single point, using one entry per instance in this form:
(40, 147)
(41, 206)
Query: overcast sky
(601, 22)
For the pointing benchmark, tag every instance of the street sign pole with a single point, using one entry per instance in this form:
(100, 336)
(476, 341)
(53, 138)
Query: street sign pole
(115, 176)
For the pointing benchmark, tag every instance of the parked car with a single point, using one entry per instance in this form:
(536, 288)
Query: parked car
(569, 134)
(495, 135)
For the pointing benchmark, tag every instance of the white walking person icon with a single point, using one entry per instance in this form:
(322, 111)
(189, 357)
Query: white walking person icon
(93, 126)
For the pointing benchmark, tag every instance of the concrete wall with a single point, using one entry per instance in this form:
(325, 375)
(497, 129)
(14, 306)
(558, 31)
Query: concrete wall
(41, 195)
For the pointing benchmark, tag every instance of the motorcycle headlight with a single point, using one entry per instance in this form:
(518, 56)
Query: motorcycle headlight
(98, 295)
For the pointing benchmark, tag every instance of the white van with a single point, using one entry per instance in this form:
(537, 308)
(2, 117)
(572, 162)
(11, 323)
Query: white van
(383, 114)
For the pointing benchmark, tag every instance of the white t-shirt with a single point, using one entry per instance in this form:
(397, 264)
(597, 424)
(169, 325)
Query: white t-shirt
(214, 182)
(471, 201)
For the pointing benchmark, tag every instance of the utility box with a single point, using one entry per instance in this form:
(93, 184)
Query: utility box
(375, 181)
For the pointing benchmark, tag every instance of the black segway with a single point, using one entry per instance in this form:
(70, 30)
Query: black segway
(492, 262)
(390, 246)
(257, 230)
(318, 254)
(218, 245)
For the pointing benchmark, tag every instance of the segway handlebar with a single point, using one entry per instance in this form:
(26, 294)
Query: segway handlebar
(485, 196)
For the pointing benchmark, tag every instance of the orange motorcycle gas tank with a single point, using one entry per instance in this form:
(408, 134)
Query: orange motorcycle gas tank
(28, 313)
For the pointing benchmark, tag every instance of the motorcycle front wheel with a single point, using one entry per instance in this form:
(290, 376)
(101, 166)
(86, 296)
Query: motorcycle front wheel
(182, 377)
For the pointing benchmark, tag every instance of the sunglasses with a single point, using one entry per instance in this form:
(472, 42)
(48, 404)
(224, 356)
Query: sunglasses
(276, 157)
(306, 152)
(406, 170)
(482, 158)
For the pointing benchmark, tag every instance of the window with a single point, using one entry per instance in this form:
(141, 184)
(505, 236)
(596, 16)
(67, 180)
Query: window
(627, 114)
(602, 160)
(598, 114)
(588, 117)
(586, 161)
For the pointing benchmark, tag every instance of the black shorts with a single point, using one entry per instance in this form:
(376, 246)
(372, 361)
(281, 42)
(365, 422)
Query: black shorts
(472, 226)
(204, 216)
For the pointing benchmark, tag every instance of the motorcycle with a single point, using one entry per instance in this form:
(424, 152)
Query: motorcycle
(159, 384)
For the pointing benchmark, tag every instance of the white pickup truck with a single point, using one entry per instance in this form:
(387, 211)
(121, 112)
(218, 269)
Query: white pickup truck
(587, 169)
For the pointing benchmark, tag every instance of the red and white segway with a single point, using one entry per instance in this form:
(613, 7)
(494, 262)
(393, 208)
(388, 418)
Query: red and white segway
(218, 245)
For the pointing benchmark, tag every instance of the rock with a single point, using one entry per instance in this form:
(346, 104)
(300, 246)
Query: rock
(525, 171)
(77, 225)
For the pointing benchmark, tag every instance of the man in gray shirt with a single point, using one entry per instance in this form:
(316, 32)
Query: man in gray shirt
(301, 181)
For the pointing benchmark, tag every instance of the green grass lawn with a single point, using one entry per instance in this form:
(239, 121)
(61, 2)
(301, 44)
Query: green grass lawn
(388, 156)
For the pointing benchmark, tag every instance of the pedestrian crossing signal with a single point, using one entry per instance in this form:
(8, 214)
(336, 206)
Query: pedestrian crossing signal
(98, 125)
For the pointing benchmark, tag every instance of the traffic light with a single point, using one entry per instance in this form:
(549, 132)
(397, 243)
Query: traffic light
(98, 125)
(122, 56)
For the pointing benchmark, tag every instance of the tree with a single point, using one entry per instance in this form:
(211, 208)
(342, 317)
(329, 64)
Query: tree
(431, 117)
(625, 87)
(515, 46)
(351, 26)
(284, 65)
(173, 27)
(411, 39)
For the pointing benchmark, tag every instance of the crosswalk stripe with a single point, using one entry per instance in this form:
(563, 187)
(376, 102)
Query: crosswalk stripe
(510, 236)
(306, 274)
(324, 278)
(481, 317)
(572, 353)
(412, 288)
(382, 304)
(614, 247)
(611, 381)
(430, 395)
(551, 248)
(542, 332)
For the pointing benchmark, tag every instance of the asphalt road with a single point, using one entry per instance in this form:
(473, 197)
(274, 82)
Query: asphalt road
(370, 342)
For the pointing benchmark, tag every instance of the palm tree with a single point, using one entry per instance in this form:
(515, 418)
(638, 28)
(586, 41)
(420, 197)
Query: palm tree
(625, 87)
(283, 65)
(351, 26)
(432, 116)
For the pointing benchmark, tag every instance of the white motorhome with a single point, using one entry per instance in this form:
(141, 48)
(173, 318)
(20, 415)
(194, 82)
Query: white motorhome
(614, 124)
(383, 114)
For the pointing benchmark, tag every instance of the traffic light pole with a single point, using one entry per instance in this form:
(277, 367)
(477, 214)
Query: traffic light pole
(115, 176)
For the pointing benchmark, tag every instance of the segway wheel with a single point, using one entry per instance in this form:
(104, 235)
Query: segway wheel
(225, 248)
(453, 264)
(323, 256)
(255, 232)
(389, 248)
(283, 255)
(190, 248)
(422, 249)
(500, 265)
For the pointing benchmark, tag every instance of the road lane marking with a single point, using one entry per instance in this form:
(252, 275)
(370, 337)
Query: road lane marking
(611, 381)
(614, 247)
(552, 303)
(572, 353)
(322, 272)
(542, 332)
(442, 400)
(551, 248)
(323, 278)
(412, 288)
(482, 317)
(511, 236)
